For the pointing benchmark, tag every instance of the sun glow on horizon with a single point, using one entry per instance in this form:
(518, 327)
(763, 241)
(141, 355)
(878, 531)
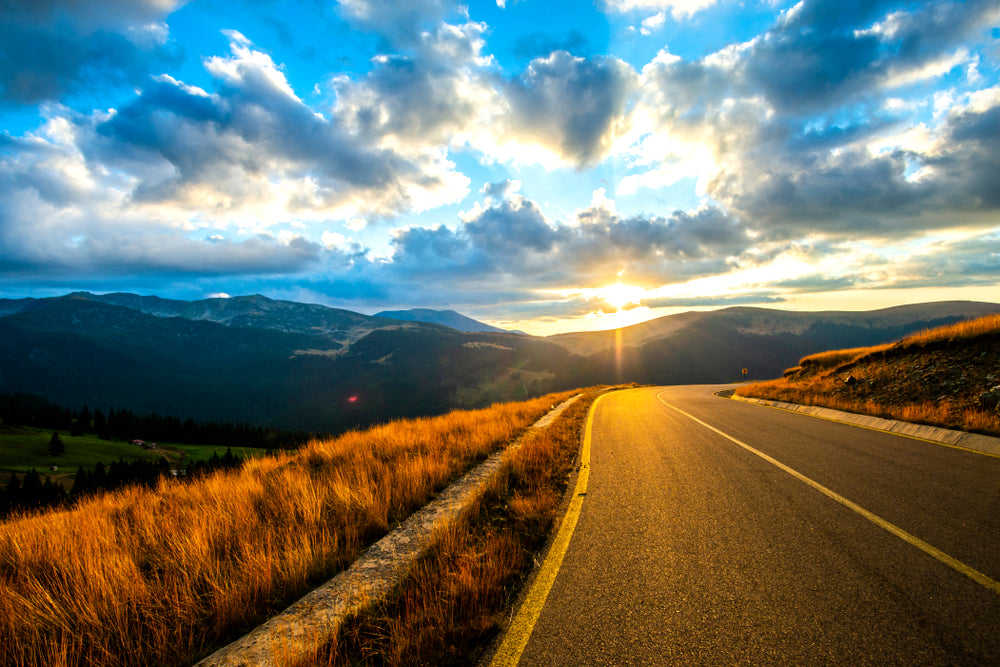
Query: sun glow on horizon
(619, 295)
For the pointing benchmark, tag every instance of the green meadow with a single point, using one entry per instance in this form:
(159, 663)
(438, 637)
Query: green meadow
(23, 448)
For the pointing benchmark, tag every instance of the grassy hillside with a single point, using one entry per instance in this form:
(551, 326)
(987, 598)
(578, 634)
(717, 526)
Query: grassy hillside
(942, 376)
(164, 576)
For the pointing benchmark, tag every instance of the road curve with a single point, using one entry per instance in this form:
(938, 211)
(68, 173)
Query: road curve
(711, 533)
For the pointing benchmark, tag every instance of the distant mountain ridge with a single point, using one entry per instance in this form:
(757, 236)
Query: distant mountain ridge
(254, 311)
(307, 367)
(767, 321)
(448, 318)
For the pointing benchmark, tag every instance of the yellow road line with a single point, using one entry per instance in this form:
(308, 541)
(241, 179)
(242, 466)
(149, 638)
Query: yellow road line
(509, 653)
(932, 551)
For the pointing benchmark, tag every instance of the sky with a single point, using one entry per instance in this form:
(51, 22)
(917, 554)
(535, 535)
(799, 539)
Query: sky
(541, 165)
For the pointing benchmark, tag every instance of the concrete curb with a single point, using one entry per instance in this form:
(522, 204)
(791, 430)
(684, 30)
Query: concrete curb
(983, 444)
(298, 632)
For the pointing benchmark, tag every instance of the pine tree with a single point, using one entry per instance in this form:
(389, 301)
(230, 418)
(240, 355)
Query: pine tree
(11, 498)
(56, 446)
(31, 489)
(81, 483)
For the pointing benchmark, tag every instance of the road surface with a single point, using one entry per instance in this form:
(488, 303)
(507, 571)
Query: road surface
(719, 532)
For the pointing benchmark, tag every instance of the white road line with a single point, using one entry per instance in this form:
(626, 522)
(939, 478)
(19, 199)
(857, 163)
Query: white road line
(941, 556)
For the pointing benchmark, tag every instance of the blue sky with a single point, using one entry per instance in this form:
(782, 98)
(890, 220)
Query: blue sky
(541, 165)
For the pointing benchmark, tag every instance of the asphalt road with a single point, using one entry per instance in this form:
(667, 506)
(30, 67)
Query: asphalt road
(690, 549)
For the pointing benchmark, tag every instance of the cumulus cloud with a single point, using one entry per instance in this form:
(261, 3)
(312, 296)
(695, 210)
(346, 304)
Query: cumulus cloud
(506, 250)
(423, 99)
(509, 241)
(49, 48)
(772, 130)
(827, 53)
(581, 132)
(832, 127)
(253, 143)
(953, 181)
(447, 93)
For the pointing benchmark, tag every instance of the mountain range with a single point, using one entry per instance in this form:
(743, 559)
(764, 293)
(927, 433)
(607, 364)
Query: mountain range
(310, 367)
(448, 318)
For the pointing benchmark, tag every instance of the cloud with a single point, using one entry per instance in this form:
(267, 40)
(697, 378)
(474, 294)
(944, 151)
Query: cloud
(448, 93)
(399, 21)
(786, 131)
(509, 242)
(713, 301)
(130, 188)
(653, 23)
(679, 9)
(423, 99)
(542, 44)
(48, 48)
(826, 53)
(953, 181)
(581, 132)
(254, 145)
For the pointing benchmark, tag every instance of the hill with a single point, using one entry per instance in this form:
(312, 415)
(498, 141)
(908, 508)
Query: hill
(948, 376)
(713, 346)
(448, 318)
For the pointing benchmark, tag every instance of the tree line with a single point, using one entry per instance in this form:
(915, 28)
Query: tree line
(30, 410)
(31, 492)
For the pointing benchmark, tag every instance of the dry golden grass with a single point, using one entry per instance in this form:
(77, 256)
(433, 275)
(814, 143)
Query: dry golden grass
(459, 594)
(980, 326)
(835, 358)
(893, 379)
(163, 576)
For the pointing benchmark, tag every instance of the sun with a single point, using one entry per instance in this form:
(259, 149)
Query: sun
(618, 295)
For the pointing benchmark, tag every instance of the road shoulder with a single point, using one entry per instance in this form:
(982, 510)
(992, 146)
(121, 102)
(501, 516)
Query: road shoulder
(975, 442)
